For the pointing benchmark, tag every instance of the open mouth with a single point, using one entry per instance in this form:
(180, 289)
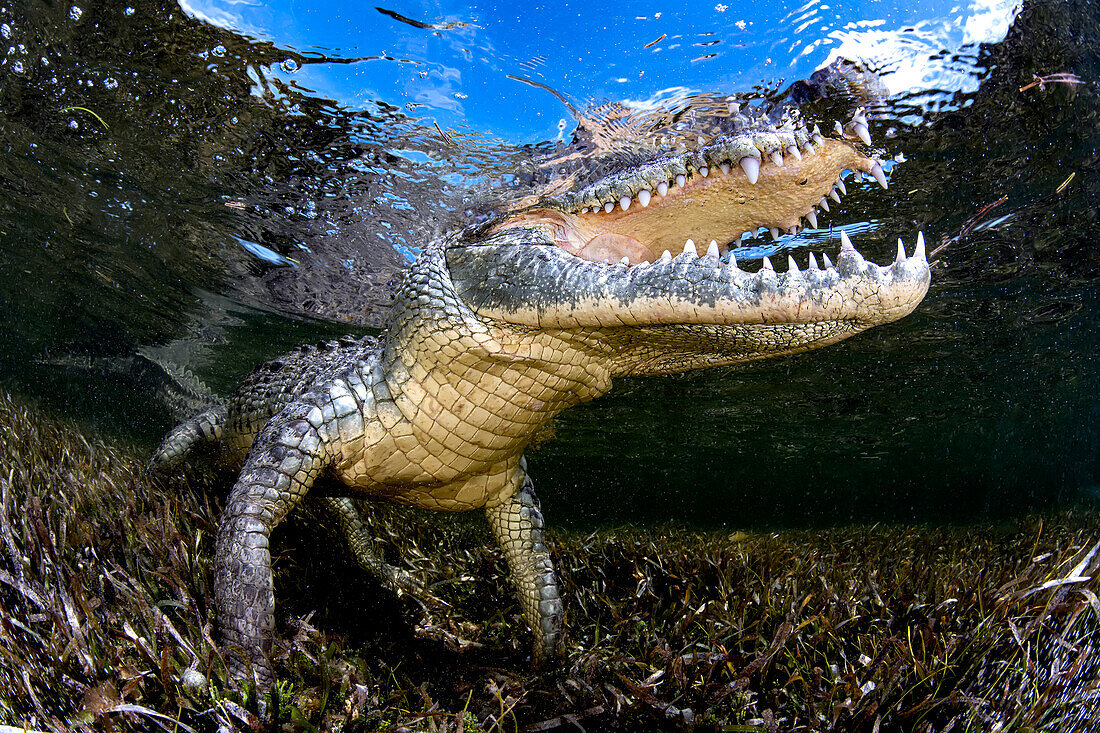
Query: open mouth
(711, 196)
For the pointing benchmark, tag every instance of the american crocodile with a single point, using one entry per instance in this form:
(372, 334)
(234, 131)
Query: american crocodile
(498, 328)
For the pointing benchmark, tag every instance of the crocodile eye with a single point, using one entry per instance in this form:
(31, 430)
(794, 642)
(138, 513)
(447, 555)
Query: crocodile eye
(804, 181)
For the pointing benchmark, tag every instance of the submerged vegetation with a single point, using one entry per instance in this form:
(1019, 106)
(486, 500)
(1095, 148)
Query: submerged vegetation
(105, 621)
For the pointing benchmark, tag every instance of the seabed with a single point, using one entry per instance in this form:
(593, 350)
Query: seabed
(105, 619)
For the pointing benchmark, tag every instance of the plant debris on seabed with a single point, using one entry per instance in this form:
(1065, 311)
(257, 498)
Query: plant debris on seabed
(105, 618)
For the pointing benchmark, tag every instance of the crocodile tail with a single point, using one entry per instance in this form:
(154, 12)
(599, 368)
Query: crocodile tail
(206, 427)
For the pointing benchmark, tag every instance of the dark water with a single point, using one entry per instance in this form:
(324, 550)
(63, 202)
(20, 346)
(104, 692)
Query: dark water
(211, 191)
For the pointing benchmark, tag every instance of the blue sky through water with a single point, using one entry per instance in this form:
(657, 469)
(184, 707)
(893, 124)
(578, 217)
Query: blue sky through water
(457, 74)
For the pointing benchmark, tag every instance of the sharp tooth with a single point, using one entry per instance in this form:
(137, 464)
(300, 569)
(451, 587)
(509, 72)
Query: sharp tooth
(625, 261)
(809, 147)
(704, 171)
(901, 251)
(834, 195)
(811, 217)
(824, 204)
(918, 253)
(845, 242)
(817, 137)
(609, 207)
(689, 248)
(666, 256)
(793, 150)
(857, 176)
(624, 202)
(777, 158)
(681, 179)
(733, 261)
(584, 210)
(841, 186)
(712, 250)
(827, 262)
(813, 261)
(792, 267)
(767, 265)
(662, 188)
(725, 168)
(837, 128)
(751, 166)
(860, 129)
(880, 176)
(774, 233)
(643, 198)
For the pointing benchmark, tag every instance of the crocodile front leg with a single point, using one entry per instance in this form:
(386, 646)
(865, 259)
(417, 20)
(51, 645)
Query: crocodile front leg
(517, 526)
(286, 458)
(343, 513)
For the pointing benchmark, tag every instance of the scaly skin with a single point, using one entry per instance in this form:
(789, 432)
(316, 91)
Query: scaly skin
(496, 331)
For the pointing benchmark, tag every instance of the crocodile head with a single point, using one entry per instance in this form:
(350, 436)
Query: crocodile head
(615, 262)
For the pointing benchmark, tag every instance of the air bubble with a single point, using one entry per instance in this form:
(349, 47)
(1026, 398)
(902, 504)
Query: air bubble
(75, 13)
(218, 51)
(128, 11)
(110, 83)
(290, 65)
(5, 30)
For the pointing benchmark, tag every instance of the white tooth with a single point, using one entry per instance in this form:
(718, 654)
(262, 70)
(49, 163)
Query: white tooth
(857, 176)
(751, 166)
(584, 210)
(609, 207)
(812, 218)
(774, 233)
(880, 176)
(834, 195)
(845, 242)
(662, 188)
(861, 130)
(809, 147)
(813, 261)
(704, 171)
(918, 253)
(901, 251)
(625, 261)
(725, 168)
(666, 256)
(792, 266)
(837, 128)
(793, 150)
(712, 250)
(681, 179)
(777, 158)
(767, 265)
(689, 247)
(733, 261)
(825, 259)
(824, 203)
(624, 202)
(643, 198)
(841, 186)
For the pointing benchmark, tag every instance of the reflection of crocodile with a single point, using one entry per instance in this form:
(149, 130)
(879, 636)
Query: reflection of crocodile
(498, 329)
